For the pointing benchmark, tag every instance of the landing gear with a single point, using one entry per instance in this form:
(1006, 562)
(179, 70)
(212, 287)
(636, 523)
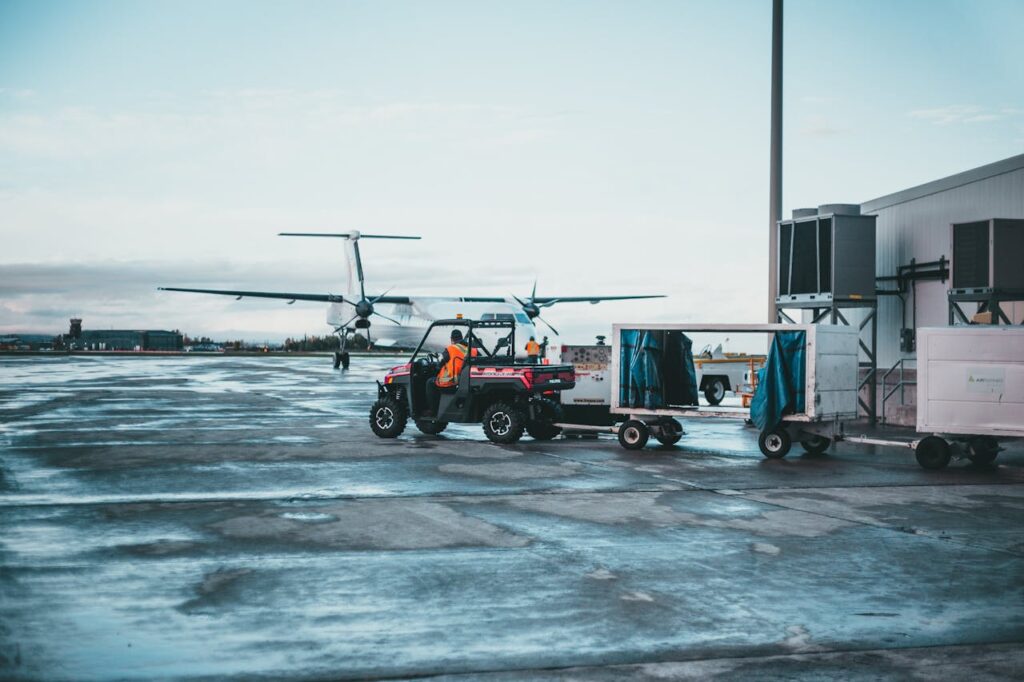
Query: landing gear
(341, 356)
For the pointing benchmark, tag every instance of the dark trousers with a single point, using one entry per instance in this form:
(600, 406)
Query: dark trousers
(434, 395)
(533, 359)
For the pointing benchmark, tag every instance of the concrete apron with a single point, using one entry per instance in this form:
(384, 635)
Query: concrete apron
(236, 517)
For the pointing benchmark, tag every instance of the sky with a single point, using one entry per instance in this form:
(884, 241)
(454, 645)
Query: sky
(599, 147)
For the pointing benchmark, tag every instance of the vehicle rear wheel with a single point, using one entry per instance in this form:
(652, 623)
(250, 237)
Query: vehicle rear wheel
(932, 452)
(387, 418)
(714, 391)
(815, 445)
(633, 434)
(431, 427)
(503, 423)
(548, 414)
(670, 432)
(982, 449)
(775, 443)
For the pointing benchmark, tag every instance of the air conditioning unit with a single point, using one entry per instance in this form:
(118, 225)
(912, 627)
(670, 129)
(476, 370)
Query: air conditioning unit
(826, 255)
(987, 255)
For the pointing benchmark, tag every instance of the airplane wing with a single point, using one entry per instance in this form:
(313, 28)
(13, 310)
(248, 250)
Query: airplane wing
(549, 300)
(323, 298)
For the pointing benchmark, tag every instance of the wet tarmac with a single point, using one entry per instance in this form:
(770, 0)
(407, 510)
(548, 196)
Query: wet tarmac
(201, 518)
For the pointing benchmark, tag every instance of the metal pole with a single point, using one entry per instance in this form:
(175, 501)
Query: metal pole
(775, 183)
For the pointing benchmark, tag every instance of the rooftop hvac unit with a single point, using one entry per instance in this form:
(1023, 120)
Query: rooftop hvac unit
(987, 255)
(827, 256)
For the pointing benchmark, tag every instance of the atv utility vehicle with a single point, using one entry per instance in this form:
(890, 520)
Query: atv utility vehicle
(493, 389)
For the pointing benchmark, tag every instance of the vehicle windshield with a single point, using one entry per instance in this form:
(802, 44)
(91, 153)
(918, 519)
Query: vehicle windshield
(492, 340)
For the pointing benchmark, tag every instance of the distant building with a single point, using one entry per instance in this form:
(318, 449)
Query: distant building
(124, 339)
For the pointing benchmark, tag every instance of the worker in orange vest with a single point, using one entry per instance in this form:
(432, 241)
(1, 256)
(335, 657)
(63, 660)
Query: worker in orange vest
(452, 361)
(532, 351)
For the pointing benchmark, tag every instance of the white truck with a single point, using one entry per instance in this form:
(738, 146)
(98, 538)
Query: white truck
(719, 373)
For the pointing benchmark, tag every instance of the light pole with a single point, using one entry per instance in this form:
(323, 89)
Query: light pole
(775, 183)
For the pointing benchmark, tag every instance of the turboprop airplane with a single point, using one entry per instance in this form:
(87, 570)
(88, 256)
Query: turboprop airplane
(403, 319)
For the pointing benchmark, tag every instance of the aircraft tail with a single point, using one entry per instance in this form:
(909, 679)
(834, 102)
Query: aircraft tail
(353, 282)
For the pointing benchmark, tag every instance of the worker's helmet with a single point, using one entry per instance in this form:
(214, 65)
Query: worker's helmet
(532, 339)
(456, 335)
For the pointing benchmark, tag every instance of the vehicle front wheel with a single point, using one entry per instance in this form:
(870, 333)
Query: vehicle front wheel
(431, 427)
(503, 423)
(633, 434)
(775, 444)
(714, 391)
(387, 418)
(548, 414)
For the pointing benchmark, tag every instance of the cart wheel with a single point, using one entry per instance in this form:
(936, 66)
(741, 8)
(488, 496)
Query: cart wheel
(670, 432)
(815, 445)
(633, 434)
(932, 452)
(714, 392)
(775, 443)
(982, 450)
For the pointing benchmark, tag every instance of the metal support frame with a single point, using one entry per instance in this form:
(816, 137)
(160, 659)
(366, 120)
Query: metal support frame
(988, 300)
(900, 385)
(830, 312)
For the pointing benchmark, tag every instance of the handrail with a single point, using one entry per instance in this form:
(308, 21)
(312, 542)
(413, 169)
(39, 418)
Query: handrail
(899, 386)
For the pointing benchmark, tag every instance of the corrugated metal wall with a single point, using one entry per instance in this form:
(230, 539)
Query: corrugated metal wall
(919, 228)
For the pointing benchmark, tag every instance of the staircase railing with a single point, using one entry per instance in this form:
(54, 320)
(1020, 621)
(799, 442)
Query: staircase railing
(901, 383)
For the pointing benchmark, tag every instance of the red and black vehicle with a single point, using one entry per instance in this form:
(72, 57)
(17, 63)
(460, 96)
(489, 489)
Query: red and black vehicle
(493, 388)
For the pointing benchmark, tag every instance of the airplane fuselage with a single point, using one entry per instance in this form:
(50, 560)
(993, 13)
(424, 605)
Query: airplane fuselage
(421, 311)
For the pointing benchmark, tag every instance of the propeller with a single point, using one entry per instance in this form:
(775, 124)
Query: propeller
(532, 308)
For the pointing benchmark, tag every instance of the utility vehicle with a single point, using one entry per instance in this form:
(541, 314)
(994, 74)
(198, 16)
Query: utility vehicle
(505, 396)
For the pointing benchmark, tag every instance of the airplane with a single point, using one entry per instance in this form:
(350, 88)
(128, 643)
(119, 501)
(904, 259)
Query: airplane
(406, 317)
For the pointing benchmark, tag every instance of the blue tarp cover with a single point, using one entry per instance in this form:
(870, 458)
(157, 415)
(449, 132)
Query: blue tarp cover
(780, 385)
(639, 376)
(656, 369)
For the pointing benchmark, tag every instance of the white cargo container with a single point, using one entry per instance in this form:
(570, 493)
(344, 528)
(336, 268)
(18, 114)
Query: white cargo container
(831, 387)
(970, 380)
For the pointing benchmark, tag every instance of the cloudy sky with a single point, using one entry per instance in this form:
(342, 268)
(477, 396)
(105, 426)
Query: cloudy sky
(602, 147)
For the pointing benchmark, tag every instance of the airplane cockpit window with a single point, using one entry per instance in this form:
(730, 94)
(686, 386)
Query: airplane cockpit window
(521, 318)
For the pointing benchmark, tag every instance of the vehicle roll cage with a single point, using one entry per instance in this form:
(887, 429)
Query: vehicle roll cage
(470, 337)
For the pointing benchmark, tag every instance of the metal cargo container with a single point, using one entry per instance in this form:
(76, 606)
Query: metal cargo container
(971, 380)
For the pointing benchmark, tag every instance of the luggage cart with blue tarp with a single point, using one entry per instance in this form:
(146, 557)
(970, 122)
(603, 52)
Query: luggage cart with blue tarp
(808, 385)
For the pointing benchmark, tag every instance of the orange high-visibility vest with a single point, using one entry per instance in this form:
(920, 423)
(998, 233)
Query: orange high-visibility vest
(449, 374)
(532, 348)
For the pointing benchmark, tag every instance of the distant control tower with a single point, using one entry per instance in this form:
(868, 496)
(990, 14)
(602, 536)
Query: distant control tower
(75, 331)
